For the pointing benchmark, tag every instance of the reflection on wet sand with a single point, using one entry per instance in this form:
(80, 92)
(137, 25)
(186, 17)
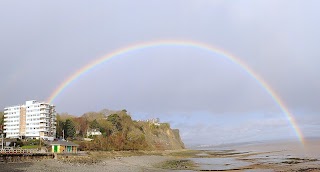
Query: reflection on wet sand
(267, 156)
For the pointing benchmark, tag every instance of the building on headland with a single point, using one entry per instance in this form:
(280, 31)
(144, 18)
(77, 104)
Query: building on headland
(154, 121)
(31, 120)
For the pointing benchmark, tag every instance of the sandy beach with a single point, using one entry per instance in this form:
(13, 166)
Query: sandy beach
(140, 163)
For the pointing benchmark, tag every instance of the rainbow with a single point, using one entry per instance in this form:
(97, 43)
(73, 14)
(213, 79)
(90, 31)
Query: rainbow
(191, 44)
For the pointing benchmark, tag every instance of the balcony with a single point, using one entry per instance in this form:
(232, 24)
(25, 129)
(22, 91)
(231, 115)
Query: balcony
(11, 122)
(44, 107)
(42, 125)
(42, 120)
(43, 129)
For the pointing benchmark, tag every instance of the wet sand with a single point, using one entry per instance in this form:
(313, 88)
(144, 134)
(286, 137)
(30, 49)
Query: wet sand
(284, 155)
(135, 163)
(266, 156)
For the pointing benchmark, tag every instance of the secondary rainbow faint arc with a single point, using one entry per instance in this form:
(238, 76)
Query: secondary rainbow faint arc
(183, 43)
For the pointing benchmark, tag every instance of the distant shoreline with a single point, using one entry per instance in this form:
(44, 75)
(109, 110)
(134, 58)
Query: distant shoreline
(237, 144)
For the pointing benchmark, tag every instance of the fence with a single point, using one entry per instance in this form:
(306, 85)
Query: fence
(19, 151)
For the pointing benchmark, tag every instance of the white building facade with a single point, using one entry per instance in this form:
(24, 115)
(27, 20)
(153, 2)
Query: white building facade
(31, 120)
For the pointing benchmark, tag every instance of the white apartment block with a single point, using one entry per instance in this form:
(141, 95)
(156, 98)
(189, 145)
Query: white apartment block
(31, 120)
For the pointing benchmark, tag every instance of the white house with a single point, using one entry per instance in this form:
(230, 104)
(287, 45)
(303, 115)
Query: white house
(93, 132)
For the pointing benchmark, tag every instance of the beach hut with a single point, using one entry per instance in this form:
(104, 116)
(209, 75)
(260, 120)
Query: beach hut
(62, 146)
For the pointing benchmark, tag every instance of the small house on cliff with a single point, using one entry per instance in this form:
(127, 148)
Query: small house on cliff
(94, 132)
(63, 147)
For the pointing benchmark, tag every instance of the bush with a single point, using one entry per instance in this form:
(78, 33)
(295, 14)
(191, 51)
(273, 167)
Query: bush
(17, 143)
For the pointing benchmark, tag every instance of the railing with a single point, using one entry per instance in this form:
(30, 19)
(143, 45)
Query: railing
(18, 151)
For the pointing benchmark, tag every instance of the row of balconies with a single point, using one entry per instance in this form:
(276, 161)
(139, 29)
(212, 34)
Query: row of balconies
(14, 115)
(11, 110)
(37, 120)
(18, 115)
(10, 127)
(39, 117)
(45, 106)
(34, 126)
(37, 130)
(12, 135)
(11, 113)
(41, 121)
(10, 131)
(37, 112)
(15, 120)
(11, 122)
(30, 106)
(10, 119)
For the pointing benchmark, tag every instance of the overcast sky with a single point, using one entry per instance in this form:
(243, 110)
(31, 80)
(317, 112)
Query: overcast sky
(210, 99)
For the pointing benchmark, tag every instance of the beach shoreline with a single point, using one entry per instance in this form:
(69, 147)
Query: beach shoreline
(284, 156)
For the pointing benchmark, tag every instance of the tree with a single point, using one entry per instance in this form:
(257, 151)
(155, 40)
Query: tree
(69, 129)
(1, 120)
(106, 127)
(90, 116)
(116, 121)
(60, 126)
(94, 124)
(81, 125)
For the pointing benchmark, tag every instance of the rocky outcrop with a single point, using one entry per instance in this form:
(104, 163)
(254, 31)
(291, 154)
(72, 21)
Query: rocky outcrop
(162, 137)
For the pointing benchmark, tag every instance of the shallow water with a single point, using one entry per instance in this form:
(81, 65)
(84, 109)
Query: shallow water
(202, 154)
(219, 163)
(259, 170)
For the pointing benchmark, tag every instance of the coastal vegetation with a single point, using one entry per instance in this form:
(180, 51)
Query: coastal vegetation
(117, 131)
(1, 119)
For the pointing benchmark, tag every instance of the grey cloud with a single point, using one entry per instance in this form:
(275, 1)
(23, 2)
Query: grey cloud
(42, 43)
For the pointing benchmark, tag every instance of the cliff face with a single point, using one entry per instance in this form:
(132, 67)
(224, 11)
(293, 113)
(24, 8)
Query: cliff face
(162, 137)
(155, 136)
(176, 133)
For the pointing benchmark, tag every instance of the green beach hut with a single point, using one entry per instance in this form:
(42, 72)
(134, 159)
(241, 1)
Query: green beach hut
(63, 147)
